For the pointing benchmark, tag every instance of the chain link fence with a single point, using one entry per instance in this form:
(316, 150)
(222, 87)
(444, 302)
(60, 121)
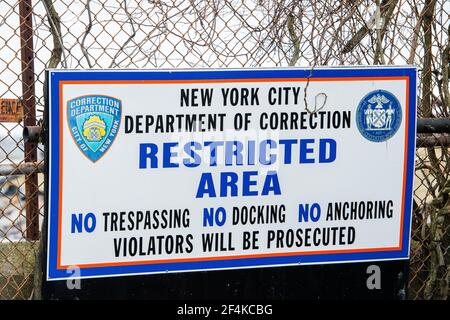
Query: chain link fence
(35, 34)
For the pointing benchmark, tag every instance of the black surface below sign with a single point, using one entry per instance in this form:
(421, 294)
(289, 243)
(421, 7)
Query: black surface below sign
(337, 281)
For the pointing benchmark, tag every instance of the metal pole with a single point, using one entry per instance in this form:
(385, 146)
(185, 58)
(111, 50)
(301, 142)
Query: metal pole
(29, 116)
(433, 125)
(23, 168)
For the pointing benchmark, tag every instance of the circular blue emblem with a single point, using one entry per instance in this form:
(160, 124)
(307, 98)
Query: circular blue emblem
(378, 116)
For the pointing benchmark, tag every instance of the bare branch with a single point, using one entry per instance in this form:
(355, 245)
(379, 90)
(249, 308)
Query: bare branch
(387, 8)
(295, 41)
(55, 27)
(88, 30)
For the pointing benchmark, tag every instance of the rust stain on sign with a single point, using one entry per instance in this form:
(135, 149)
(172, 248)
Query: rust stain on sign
(11, 110)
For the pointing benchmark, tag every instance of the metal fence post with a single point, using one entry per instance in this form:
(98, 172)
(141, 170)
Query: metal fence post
(29, 116)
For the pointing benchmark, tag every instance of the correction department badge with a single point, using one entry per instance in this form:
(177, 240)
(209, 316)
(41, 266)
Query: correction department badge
(378, 116)
(94, 122)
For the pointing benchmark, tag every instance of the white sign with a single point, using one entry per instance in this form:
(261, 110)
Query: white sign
(189, 170)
